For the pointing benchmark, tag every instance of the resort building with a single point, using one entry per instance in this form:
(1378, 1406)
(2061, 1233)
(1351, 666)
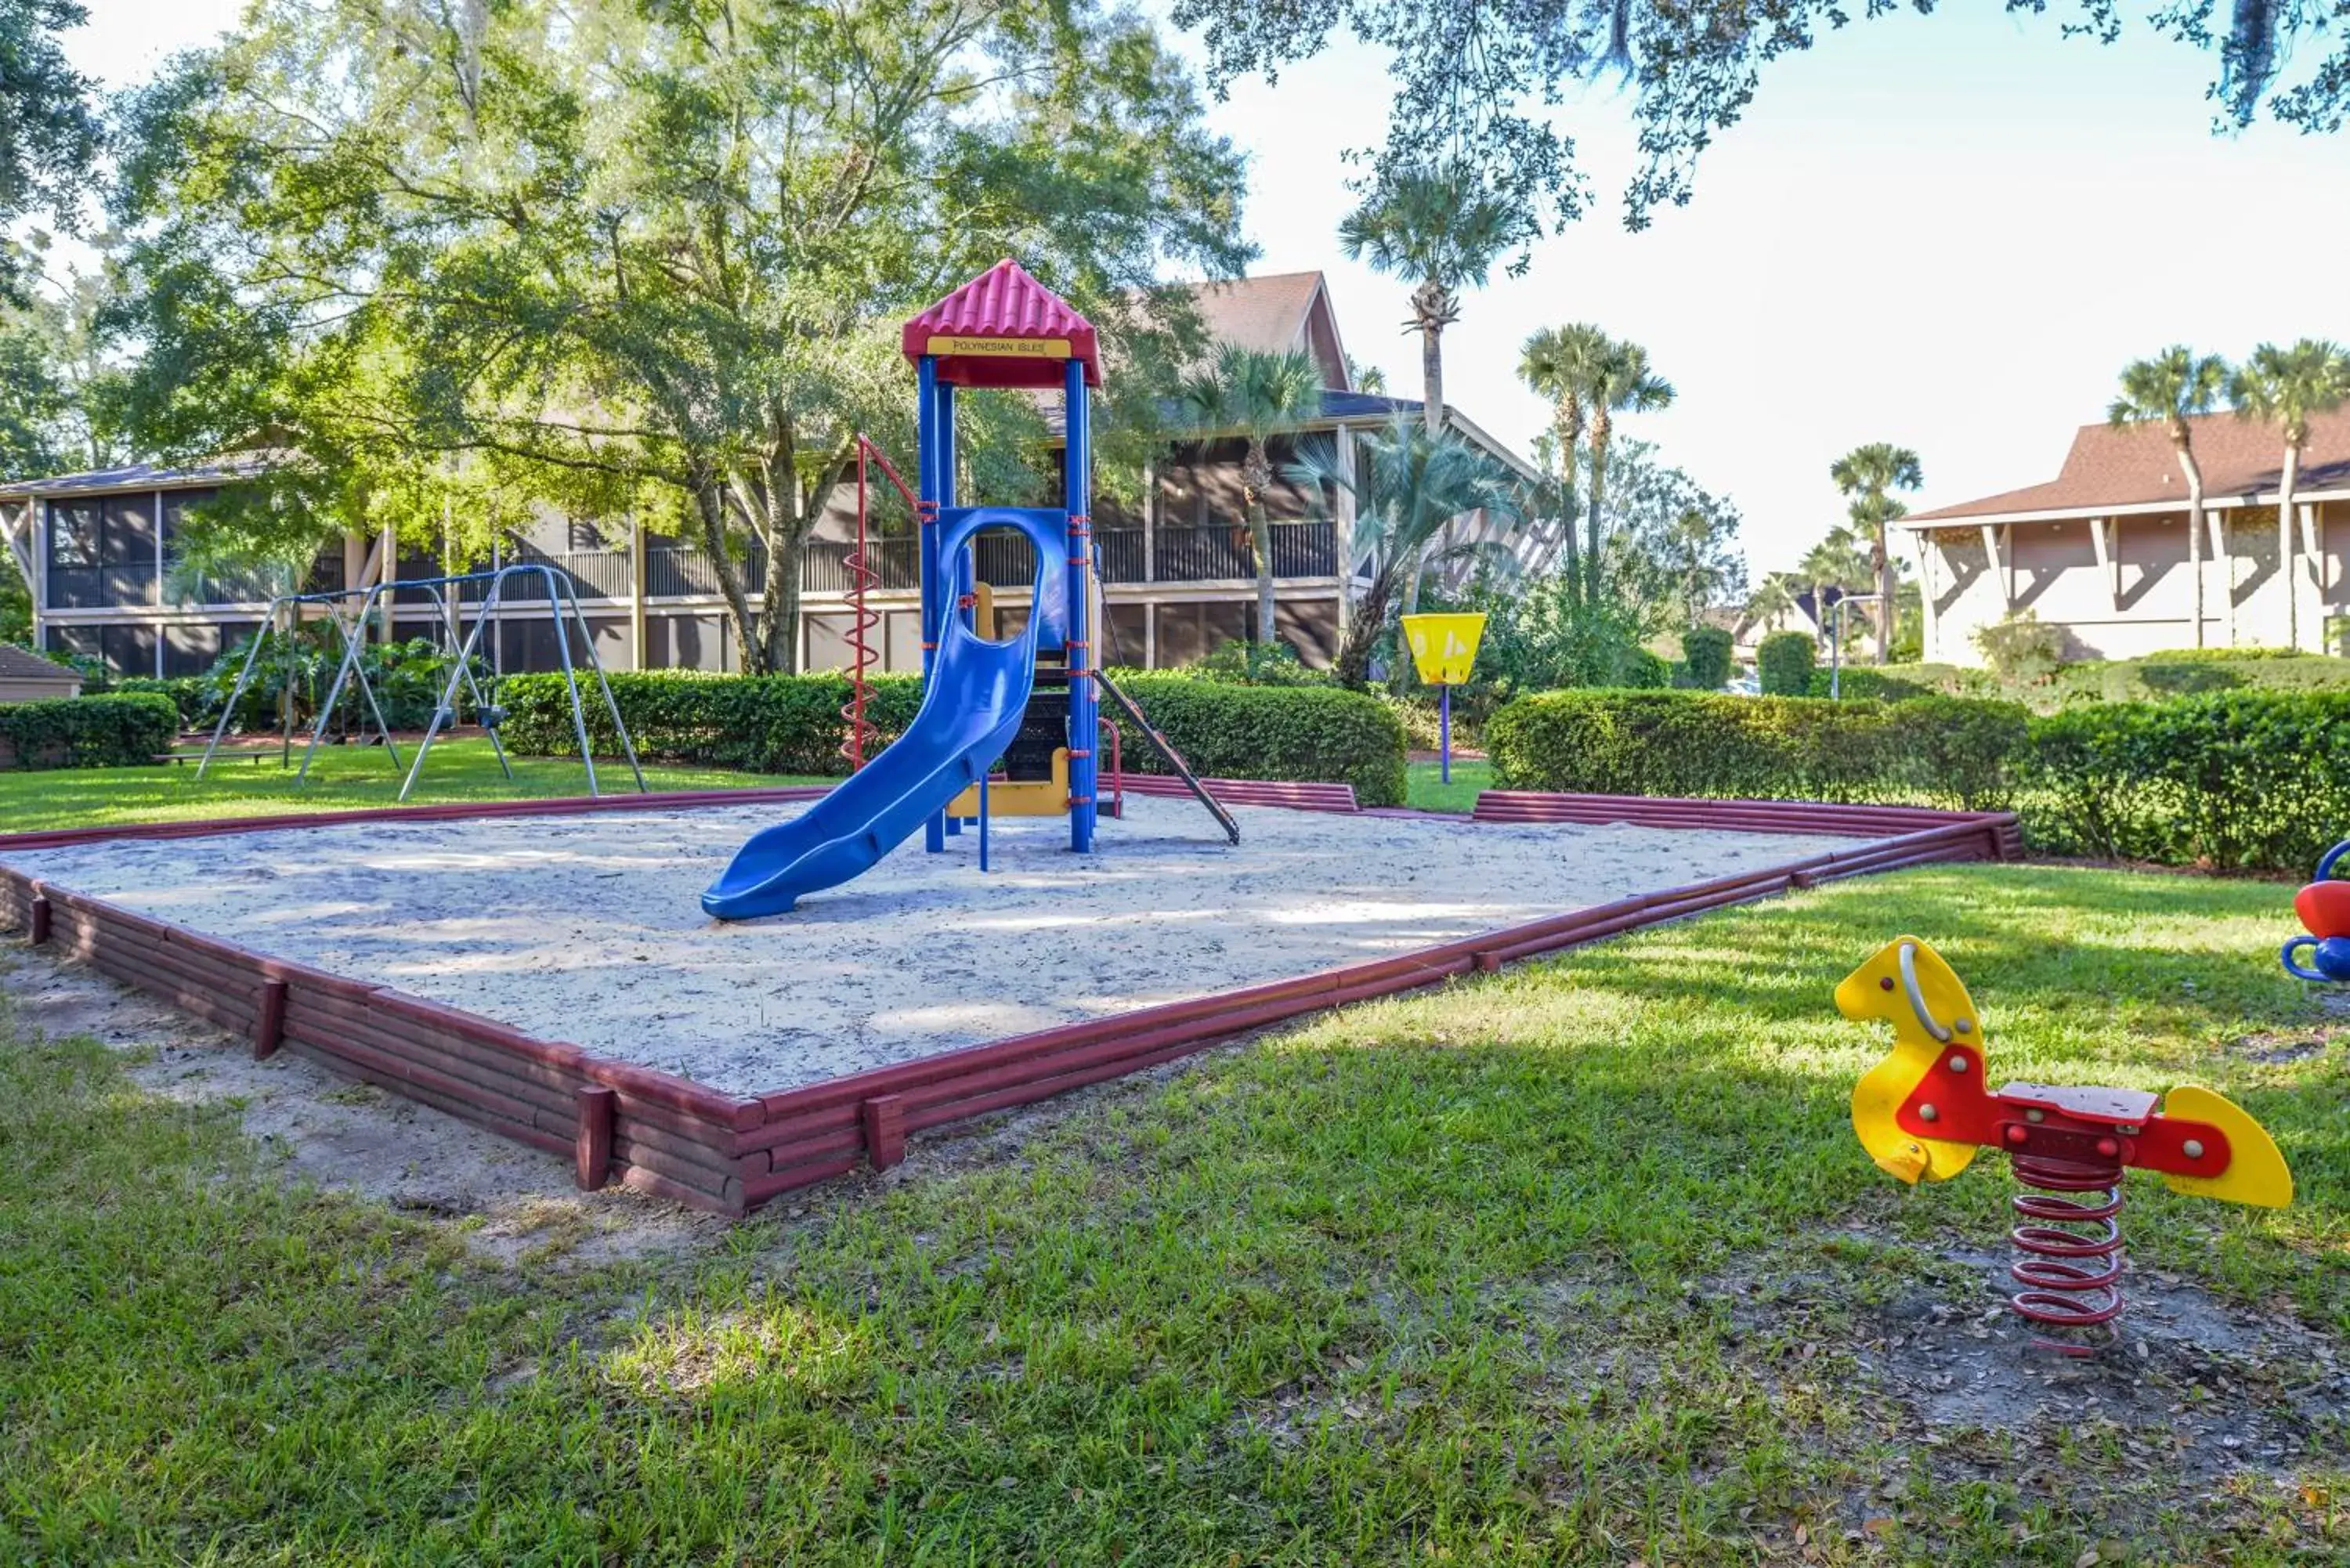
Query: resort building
(2101, 551)
(1176, 578)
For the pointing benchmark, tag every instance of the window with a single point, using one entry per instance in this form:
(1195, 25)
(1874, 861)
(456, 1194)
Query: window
(73, 533)
(102, 551)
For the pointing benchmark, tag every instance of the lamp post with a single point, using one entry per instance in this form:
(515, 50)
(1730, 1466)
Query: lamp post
(1836, 639)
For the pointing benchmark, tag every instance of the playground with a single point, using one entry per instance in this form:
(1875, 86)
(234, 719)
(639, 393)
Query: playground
(1590, 1251)
(585, 930)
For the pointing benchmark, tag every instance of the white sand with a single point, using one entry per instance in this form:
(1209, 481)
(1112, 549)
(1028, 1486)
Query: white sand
(590, 929)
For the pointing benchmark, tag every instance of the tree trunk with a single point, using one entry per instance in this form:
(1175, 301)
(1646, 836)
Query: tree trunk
(1570, 434)
(1602, 427)
(710, 511)
(1427, 304)
(2284, 548)
(2194, 474)
(1260, 544)
(1884, 564)
(781, 593)
(1431, 311)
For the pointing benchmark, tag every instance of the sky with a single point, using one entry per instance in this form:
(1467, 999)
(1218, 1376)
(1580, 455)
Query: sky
(1948, 232)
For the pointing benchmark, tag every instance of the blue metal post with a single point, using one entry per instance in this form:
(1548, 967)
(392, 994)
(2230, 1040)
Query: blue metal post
(954, 576)
(926, 526)
(1444, 732)
(1076, 491)
(982, 822)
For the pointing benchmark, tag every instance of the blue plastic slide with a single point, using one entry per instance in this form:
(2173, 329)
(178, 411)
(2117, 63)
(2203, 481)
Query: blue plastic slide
(971, 709)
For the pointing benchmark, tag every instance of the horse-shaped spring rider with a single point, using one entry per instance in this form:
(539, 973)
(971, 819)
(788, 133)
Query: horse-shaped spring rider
(1924, 1111)
(2324, 906)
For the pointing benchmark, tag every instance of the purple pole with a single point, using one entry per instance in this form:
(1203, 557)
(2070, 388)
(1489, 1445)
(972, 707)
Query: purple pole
(1444, 732)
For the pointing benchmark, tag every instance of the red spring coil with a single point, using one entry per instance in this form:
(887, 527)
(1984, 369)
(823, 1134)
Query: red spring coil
(862, 617)
(2072, 1267)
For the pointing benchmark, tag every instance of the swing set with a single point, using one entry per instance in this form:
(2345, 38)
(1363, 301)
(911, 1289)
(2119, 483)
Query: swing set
(563, 608)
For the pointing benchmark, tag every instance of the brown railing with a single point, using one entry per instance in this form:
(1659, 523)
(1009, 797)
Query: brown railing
(1185, 554)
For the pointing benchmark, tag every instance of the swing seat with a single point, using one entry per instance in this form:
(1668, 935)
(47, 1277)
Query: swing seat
(492, 717)
(444, 718)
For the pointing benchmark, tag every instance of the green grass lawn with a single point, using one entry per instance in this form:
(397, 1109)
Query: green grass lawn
(342, 778)
(1425, 790)
(1578, 1263)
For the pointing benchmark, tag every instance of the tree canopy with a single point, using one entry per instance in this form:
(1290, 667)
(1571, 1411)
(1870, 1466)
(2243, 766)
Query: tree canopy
(458, 260)
(1476, 82)
(50, 135)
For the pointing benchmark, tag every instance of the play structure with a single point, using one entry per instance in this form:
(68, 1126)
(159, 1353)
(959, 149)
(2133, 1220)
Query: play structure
(349, 610)
(1028, 701)
(2324, 906)
(1926, 1110)
(1444, 651)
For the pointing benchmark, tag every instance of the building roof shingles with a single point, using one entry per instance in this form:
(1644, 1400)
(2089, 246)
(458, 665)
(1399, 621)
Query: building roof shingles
(2136, 467)
(1264, 314)
(20, 664)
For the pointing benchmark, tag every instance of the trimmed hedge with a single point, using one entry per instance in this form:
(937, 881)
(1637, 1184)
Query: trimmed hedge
(793, 724)
(125, 731)
(1782, 663)
(1948, 750)
(1308, 733)
(1705, 658)
(2234, 779)
(2181, 673)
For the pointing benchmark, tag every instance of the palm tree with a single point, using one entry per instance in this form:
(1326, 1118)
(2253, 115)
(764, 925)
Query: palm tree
(1561, 363)
(2284, 387)
(1440, 228)
(2172, 388)
(1622, 383)
(1835, 562)
(1410, 486)
(1864, 474)
(1256, 395)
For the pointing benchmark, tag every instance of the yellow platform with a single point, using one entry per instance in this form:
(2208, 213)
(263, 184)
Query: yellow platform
(1021, 797)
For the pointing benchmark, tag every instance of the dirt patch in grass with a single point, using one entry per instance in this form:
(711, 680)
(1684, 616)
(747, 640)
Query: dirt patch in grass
(2201, 1409)
(506, 1202)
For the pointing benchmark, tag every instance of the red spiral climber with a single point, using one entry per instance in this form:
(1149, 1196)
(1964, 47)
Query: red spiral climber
(863, 618)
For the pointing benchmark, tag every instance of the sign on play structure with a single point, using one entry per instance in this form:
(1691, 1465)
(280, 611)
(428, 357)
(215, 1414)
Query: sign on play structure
(1001, 348)
(1443, 647)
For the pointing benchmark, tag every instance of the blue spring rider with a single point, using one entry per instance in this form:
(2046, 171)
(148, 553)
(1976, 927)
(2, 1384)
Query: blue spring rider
(1005, 329)
(2324, 906)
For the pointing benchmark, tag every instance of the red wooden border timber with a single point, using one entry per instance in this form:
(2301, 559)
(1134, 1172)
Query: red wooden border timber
(659, 1134)
(591, 1151)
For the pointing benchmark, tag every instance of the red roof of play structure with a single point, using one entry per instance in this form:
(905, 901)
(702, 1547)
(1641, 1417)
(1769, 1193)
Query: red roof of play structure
(1003, 329)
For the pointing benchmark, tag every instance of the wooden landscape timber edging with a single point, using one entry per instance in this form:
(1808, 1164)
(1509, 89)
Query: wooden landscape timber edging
(1245, 792)
(666, 1136)
(1732, 816)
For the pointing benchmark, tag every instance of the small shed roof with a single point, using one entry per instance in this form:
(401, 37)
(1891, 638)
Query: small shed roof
(23, 664)
(1003, 329)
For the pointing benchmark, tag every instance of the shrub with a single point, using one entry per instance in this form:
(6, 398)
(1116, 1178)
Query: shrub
(1254, 664)
(111, 732)
(1313, 733)
(768, 724)
(2021, 649)
(188, 694)
(1783, 663)
(793, 724)
(1705, 658)
(1900, 682)
(2236, 780)
(1637, 669)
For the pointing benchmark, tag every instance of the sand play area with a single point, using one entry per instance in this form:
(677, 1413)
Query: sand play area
(588, 929)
